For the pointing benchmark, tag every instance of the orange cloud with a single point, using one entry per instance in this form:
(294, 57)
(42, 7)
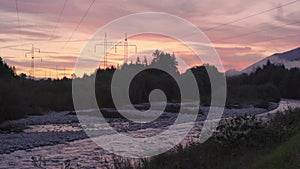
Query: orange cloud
(238, 43)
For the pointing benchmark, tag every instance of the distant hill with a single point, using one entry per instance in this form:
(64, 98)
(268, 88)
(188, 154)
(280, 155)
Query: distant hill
(232, 72)
(289, 59)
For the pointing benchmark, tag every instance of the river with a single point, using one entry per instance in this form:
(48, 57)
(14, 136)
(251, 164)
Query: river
(56, 137)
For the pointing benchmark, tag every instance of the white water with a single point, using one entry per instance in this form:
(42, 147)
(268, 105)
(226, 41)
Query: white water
(46, 133)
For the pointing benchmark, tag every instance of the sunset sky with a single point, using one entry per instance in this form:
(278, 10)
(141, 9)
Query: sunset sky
(242, 32)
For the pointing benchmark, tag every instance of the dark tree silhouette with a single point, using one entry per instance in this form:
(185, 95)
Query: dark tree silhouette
(165, 60)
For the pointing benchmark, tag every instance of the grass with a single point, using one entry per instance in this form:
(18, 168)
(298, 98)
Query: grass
(272, 146)
(285, 156)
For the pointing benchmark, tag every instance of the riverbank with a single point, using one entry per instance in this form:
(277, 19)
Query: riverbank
(58, 135)
(272, 146)
(60, 127)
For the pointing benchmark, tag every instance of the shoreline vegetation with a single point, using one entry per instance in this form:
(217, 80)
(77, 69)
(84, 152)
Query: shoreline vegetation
(21, 96)
(243, 142)
(54, 128)
(60, 130)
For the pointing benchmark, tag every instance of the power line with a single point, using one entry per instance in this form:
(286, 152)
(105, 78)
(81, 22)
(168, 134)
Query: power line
(249, 16)
(268, 40)
(244, 18)
(19, 25)
(276, 38)
(58, 71)
(262, 30)
(209, 29)
(78, 25)
(125, 44)
(105, 53)
(58, 19)
(58, 41)
(249, 33)
(294, 35)
(33, 50)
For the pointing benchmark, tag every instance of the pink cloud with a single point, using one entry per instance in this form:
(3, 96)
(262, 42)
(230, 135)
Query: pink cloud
(38, 20)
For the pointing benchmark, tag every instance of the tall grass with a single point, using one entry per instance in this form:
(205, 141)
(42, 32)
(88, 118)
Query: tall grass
(240, 143)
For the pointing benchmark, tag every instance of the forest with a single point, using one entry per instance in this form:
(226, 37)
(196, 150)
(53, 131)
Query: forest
(21, 96)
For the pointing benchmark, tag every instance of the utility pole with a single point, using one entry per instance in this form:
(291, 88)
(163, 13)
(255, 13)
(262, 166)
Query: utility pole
(145, 62)
(105, 50)
(56, 72)
(59, 71)
(33, 50)
(125, 44)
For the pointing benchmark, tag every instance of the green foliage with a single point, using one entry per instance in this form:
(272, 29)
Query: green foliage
(235, 153)
(285, 156)
(40, 162)
(5, 70)
(269, 83)
(238, 131)
(164, 60)
(21, 96)
(247, 93)
(202, 76)
(11, 103)
(125, 163)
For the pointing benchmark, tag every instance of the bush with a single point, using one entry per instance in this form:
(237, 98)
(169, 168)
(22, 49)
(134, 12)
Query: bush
(238, 131)
(11, 103)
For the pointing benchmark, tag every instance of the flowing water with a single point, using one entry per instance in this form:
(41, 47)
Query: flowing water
(49, 140)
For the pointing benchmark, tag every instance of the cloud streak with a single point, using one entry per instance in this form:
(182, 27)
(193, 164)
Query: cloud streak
(248, 40)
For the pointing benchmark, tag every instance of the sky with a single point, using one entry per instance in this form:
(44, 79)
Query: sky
(242, 32)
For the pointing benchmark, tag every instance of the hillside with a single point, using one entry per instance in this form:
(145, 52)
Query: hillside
(290, 59)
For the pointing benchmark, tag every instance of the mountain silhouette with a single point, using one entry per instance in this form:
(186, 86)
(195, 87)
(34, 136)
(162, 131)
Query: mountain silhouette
(290, 59)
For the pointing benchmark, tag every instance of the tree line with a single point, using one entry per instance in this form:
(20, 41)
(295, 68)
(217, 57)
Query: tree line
(20, 96)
